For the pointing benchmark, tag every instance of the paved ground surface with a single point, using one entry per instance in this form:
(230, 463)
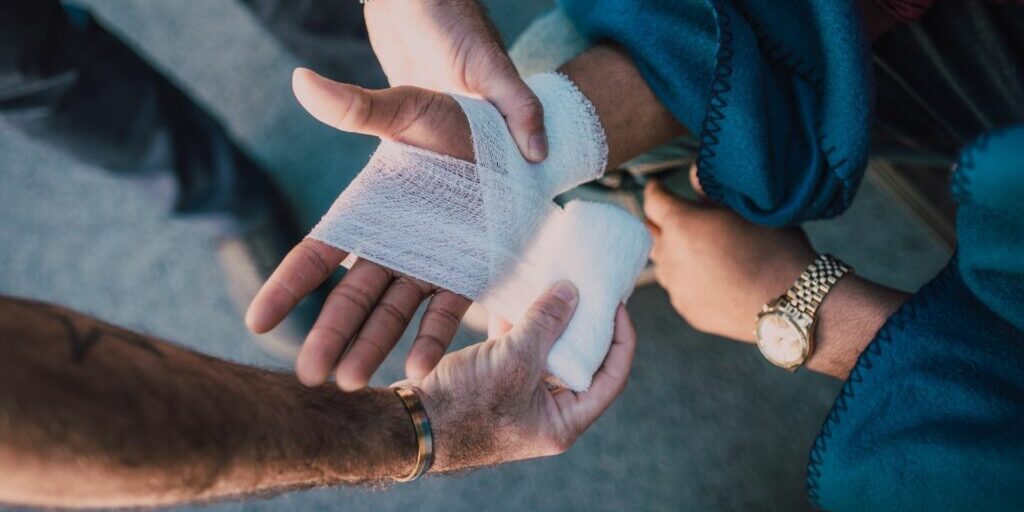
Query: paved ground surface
(704, 425)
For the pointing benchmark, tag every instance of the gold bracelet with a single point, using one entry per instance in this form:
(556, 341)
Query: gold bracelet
(424, 434)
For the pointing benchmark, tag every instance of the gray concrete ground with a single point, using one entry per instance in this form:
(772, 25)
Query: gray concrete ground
(705, 424)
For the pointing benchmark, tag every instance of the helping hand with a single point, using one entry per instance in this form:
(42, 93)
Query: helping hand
(489, 403)
(451, 46)
(717, 267)
(372, 305)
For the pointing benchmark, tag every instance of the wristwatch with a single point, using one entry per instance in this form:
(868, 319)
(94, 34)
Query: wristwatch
(785, 326)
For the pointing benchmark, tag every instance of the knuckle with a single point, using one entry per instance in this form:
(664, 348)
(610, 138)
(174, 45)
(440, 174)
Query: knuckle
(486, 64)
(528, 106)
(430, 340)
(405, 113)
(313, 259)
(415, 104)
(410, 286)
(354, 295)
(444, 316)
(329, 333)
(394, 314)
(359, 110)
(377, 349)
(550, 315)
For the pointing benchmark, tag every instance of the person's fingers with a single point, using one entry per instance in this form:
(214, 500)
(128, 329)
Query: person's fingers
(655, 253)
(346, 107)
(523, 112)
(343, 313)
(437, 328)
(611, 378)
(380, 332)
(660, 206)
(497, 326)
(544, 322)
(305, 267)
(695, 182)
(419, 117)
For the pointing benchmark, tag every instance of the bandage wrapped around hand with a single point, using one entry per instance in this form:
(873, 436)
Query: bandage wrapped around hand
(491, 231)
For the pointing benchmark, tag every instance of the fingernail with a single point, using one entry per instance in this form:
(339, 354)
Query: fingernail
(565, 290)
(538, 146)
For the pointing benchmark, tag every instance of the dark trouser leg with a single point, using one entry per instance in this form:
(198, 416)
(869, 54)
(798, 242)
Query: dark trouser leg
(68, 83)
(327, 35)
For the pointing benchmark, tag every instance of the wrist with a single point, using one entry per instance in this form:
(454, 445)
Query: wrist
(379, 445)
(785, 271)
(438, 409)
(848, 320)
(772, 280)
(633, 123)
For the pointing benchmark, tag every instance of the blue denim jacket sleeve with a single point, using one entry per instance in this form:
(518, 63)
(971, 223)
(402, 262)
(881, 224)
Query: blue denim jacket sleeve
(932, 415)
(778, 93)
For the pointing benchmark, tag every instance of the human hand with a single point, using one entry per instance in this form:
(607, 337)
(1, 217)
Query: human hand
(489, 403)
(370, 308)
(718, 268)
(450, 45)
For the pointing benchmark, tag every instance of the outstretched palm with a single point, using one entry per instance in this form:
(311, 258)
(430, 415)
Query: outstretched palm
(366, 313)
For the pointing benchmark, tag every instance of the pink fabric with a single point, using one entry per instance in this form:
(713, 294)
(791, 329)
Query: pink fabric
(905, 10)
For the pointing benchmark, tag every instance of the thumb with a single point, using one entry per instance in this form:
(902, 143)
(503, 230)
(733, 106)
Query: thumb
(522, 110)
(544, 322)
(660, 205)
(419, 117)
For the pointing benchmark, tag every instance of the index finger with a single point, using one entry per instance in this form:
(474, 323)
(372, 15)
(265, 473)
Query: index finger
(305, 267)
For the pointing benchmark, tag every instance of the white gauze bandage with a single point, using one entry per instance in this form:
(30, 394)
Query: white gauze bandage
(490, 231)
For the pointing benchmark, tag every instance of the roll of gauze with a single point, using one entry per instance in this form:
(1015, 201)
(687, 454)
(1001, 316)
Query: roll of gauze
(490, 231)
(598, 247)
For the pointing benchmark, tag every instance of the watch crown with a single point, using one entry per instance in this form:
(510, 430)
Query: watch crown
(764, 308)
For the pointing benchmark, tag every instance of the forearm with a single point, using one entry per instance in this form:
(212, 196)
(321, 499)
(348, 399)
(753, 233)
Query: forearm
(634, 120)
(93, 415)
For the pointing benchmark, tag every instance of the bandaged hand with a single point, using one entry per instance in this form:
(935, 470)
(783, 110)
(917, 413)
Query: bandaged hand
(451, 46)
(484, 227)
(372, 305)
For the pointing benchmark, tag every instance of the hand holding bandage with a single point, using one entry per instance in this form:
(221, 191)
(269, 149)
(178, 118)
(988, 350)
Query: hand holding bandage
(490, 230)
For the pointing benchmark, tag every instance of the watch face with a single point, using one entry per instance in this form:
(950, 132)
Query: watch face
(780, 340)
